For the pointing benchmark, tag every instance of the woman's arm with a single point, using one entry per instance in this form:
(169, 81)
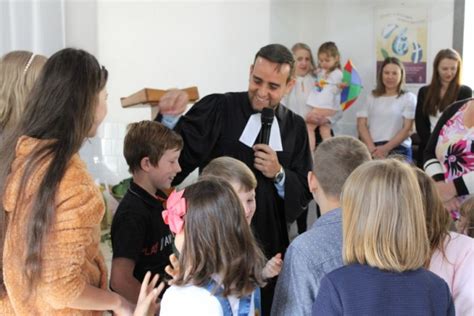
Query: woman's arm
(430, 163)
(93, 298)
(66, 281)
(396, 140)
(364, 134)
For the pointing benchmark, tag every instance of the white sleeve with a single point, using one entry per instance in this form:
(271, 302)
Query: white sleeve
(189, 300)
(312, 100)
(409, 106)
(335, 77)
(365, 107)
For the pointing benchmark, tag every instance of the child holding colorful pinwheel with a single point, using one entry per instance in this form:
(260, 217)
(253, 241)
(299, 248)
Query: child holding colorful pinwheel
(325, 97)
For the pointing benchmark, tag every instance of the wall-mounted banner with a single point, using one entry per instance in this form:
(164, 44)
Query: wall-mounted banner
(402, 33)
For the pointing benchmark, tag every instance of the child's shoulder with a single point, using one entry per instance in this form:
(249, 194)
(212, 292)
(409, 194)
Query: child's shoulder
(132, 205)
(335, 75)
(189, 300)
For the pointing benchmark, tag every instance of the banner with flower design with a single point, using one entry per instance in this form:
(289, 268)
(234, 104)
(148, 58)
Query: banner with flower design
(402, 32)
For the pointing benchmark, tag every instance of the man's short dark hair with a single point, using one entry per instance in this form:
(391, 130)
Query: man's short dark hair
(277, 53)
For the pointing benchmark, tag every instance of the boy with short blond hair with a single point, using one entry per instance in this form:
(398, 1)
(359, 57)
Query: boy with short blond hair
(318, 251)
(244, 182)
(141, 241)
(241, 178)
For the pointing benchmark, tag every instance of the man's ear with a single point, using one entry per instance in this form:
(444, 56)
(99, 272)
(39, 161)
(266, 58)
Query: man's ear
(290, 84)
(251, 71)
(312, 182)
(145, 164)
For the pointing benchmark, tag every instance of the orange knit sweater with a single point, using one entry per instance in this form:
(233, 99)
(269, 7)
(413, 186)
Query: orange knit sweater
(70, 258)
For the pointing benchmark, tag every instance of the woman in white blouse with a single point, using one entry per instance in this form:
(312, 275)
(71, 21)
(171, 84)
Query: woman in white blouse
(386, 119)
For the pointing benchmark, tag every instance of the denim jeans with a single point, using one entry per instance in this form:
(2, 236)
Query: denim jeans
(399, 150)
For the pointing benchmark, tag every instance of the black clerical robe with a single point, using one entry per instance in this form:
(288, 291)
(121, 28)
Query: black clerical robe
(212, 128)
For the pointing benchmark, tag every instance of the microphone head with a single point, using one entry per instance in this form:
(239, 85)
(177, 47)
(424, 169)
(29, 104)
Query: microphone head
(267, 115)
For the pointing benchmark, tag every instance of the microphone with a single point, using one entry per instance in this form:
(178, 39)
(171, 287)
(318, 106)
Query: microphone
(267, 119)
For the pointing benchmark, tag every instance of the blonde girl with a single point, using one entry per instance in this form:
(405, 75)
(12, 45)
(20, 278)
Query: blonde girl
(385, 245)
(304, 67)
(18, 72)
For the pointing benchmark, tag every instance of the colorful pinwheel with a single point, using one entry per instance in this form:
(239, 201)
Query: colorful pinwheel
(353, 88)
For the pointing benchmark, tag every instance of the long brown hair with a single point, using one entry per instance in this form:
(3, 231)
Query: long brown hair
(18, 73)
(380, 87)
(437, 218)
(218, 240)
(433, 101)
(61, 108)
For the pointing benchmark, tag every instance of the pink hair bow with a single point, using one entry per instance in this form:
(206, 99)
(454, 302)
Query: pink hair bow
(175, 211)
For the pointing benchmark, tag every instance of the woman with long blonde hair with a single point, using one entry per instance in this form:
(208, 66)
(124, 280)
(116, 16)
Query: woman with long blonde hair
(18, 72)
(385, 245)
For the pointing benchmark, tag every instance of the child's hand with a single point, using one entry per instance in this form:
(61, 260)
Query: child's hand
(342, 85)
(147, 304)
(273, 267)
(173, 269)
(380, 152)
(316, 119)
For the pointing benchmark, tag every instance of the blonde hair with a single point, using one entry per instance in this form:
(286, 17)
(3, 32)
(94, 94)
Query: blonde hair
(231, 170)
(16, 82)
(305, 47)
(383, 221)
(335, 159)
(467, 211)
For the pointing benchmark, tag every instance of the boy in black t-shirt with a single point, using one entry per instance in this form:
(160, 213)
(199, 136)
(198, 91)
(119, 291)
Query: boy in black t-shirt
(141, 241)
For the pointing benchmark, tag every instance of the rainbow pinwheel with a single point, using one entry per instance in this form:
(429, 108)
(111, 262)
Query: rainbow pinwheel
(321, 84)
(351, 92)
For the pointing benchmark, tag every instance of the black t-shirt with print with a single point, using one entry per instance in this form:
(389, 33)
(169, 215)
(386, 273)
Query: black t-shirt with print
(139, 232)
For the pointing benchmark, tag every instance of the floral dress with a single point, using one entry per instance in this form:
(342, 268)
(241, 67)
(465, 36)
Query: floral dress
(455, 147)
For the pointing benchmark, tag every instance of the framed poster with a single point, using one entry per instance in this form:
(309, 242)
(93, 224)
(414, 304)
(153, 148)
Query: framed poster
(402, 33)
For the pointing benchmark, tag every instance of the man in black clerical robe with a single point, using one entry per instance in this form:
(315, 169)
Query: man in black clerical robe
(213, 127)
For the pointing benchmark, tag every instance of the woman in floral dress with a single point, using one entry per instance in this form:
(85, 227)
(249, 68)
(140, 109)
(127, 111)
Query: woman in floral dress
(449, 155)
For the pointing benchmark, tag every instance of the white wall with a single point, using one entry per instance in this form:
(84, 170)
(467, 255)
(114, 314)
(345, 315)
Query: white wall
(165, 44)
(350, 24)
(81, 24)
(468, 53)
(178, 44)
(32, 25)
(211, 44)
